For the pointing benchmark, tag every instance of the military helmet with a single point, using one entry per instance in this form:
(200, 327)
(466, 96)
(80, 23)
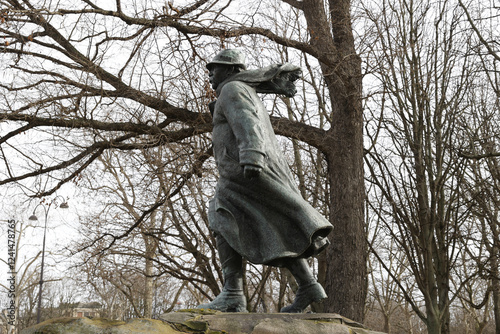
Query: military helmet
(229, 57)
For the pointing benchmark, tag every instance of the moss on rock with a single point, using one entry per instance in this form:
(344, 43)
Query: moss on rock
(207, 322)
(100, 326)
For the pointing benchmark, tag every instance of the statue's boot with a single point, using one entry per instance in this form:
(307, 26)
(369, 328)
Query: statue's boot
(319, 244)
(232, 298)
(309, 290)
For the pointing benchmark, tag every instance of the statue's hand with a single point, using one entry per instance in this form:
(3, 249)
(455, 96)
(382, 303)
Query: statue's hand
(251, 171)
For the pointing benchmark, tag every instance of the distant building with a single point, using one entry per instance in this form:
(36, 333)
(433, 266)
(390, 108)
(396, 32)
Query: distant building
(80, 310)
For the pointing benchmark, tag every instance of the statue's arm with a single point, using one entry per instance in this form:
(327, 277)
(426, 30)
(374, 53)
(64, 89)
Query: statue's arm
(243, 117)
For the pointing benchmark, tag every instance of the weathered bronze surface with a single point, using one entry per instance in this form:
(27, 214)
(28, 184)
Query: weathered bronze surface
(258, 212)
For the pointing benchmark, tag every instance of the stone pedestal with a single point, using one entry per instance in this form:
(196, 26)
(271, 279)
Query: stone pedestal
(100, 326)
(207, 322)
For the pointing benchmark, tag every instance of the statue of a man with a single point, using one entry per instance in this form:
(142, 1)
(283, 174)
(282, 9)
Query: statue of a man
(258, 212)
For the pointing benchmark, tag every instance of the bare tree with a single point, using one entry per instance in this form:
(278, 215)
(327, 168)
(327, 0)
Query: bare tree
(90, 79)
(482, 191)
(481, 146)
(173, 241)
(387, 266)
(426, 77)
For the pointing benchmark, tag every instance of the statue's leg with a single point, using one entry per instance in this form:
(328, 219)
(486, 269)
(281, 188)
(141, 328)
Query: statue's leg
(232, 298)
(309, 290)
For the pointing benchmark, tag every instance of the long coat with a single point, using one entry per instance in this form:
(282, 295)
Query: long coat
(265, 219)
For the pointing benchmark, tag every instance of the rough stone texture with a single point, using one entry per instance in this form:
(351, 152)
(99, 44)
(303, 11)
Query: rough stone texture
(207, 322)
(100, 326)
(263, 323)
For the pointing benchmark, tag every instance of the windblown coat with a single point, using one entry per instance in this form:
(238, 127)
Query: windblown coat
(265, 219)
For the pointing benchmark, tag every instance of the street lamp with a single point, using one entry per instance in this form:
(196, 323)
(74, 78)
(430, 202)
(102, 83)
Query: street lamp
(64, 205)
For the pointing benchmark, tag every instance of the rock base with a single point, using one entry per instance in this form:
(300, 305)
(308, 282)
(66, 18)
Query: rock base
(207, 322)
(213, 322)
(100, 326)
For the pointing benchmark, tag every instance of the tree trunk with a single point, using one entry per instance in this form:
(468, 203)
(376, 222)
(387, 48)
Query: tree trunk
(387, 324)
(496, 303)
(495, 283)
(345, 281)
(148, 289)
(346, 273)
(433, 324)
(150, 254)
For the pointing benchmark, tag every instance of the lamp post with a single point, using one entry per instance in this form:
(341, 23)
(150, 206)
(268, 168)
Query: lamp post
(64, 205)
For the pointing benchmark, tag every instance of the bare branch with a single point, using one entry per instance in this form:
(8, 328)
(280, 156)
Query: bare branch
(478, 33)
(479, 156)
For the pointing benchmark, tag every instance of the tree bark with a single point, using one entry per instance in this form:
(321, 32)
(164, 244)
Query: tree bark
(495, 282)
(496, 295)
(345, 280)
(149, 282)
(346, 273)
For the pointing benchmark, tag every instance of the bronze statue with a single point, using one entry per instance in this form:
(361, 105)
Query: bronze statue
(258, 212)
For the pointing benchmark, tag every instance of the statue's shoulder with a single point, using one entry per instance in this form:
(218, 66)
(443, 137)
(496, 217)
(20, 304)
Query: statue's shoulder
(235, 88)
(236, 85)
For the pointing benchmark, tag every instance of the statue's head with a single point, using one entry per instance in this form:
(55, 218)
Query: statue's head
(225, 64)
(231, 57)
